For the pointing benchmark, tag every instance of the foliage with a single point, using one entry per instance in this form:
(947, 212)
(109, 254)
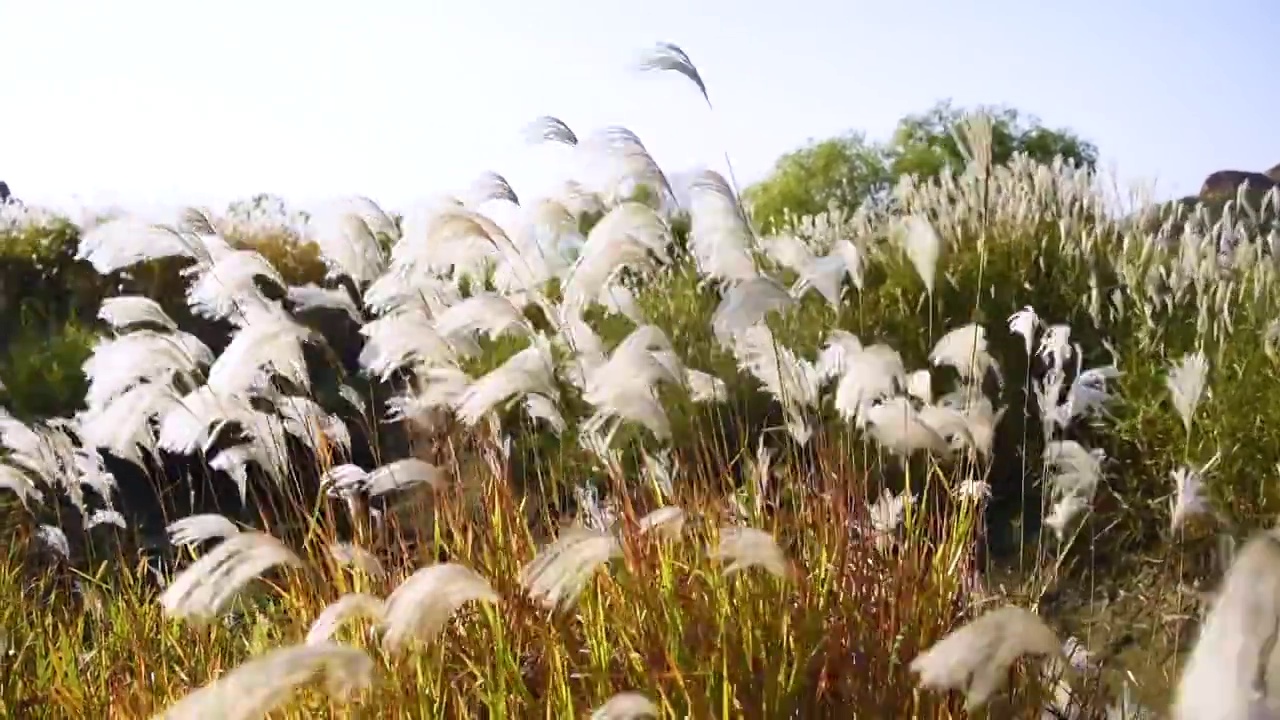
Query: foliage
(841, 172)
(861, 589)
(923, 145)
(848, 171)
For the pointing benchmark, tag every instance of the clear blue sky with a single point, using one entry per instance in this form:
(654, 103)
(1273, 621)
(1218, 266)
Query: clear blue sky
(140, 102)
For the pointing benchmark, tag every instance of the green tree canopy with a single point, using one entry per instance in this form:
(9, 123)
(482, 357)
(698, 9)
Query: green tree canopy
(848, 170)
(843, 171)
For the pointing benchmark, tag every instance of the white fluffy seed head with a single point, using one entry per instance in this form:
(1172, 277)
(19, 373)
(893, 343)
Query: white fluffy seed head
(626, 706)
(745, 547)
(347, 607)
(203, 590)
(424, 602)
(558, 574)
(1231, 671)
(976, 658)
(262, 684)
(195, 529)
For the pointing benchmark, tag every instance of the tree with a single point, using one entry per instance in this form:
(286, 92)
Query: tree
(927, 143)
(849, 171)
(843, 170)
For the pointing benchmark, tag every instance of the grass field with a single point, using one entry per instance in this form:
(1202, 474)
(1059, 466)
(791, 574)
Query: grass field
(795, 462)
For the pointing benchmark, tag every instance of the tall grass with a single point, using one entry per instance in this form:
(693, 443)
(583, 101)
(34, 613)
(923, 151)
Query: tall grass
(909, 453)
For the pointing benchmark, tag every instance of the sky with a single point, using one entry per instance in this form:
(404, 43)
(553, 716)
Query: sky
(143, 102)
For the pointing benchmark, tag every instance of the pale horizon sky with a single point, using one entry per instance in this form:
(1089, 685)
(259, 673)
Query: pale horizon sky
(143, 102)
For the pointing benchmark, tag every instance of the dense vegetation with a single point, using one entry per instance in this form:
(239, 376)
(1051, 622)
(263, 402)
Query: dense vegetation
(902, 385)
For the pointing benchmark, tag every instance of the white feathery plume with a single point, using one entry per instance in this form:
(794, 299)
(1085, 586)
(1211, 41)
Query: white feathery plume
(578, 199)
(118, 363)
(1230, 674)
(401, 475)
(720, 237)
(14, 480)
(306, 420)
(628, 165)
(531, 370)
(123, 311)
(464, 241)
(898, 427)
(745, 547)
(630, 235)
(311, 296)
(885, 515)
(104, 517)
(195, 529)
(578, 337)
(202, 590)
(1087, 395)
(347, 232)
(559, 572)
(226, 288)
(374, 217)
(826, 274)
(449, 239)
(923, 248)
(271, 343)
(1186, 383)
(550, 129)
(262, 684)
(424, 602)
(1073, 474)
(185, 426)
(1055, 345)
(792, 380)
(978, 415)
(623, 386)
(788, 251)
(126, 241)
(408, 336)
(832, 359)
(1189, 497)
(392, 477)
(344, 478)
(746, 304)
(484, 313)
(553, 230)
(436, 392)
(53, 538)
(1024, 323)
(338, 612)
(47, 451)
(123, 425)
(626, 706)
(965, 349)
(492, 186)
(704, 387)
(665, 56)
(665, 522)
(265, 448)
(410, 288)
(1063, 511)
(546, 240)
(354, 556)
(1072, 468)
(919, 385)
(617, 299)
(977, 657)
(871, 373)
(541, 407)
